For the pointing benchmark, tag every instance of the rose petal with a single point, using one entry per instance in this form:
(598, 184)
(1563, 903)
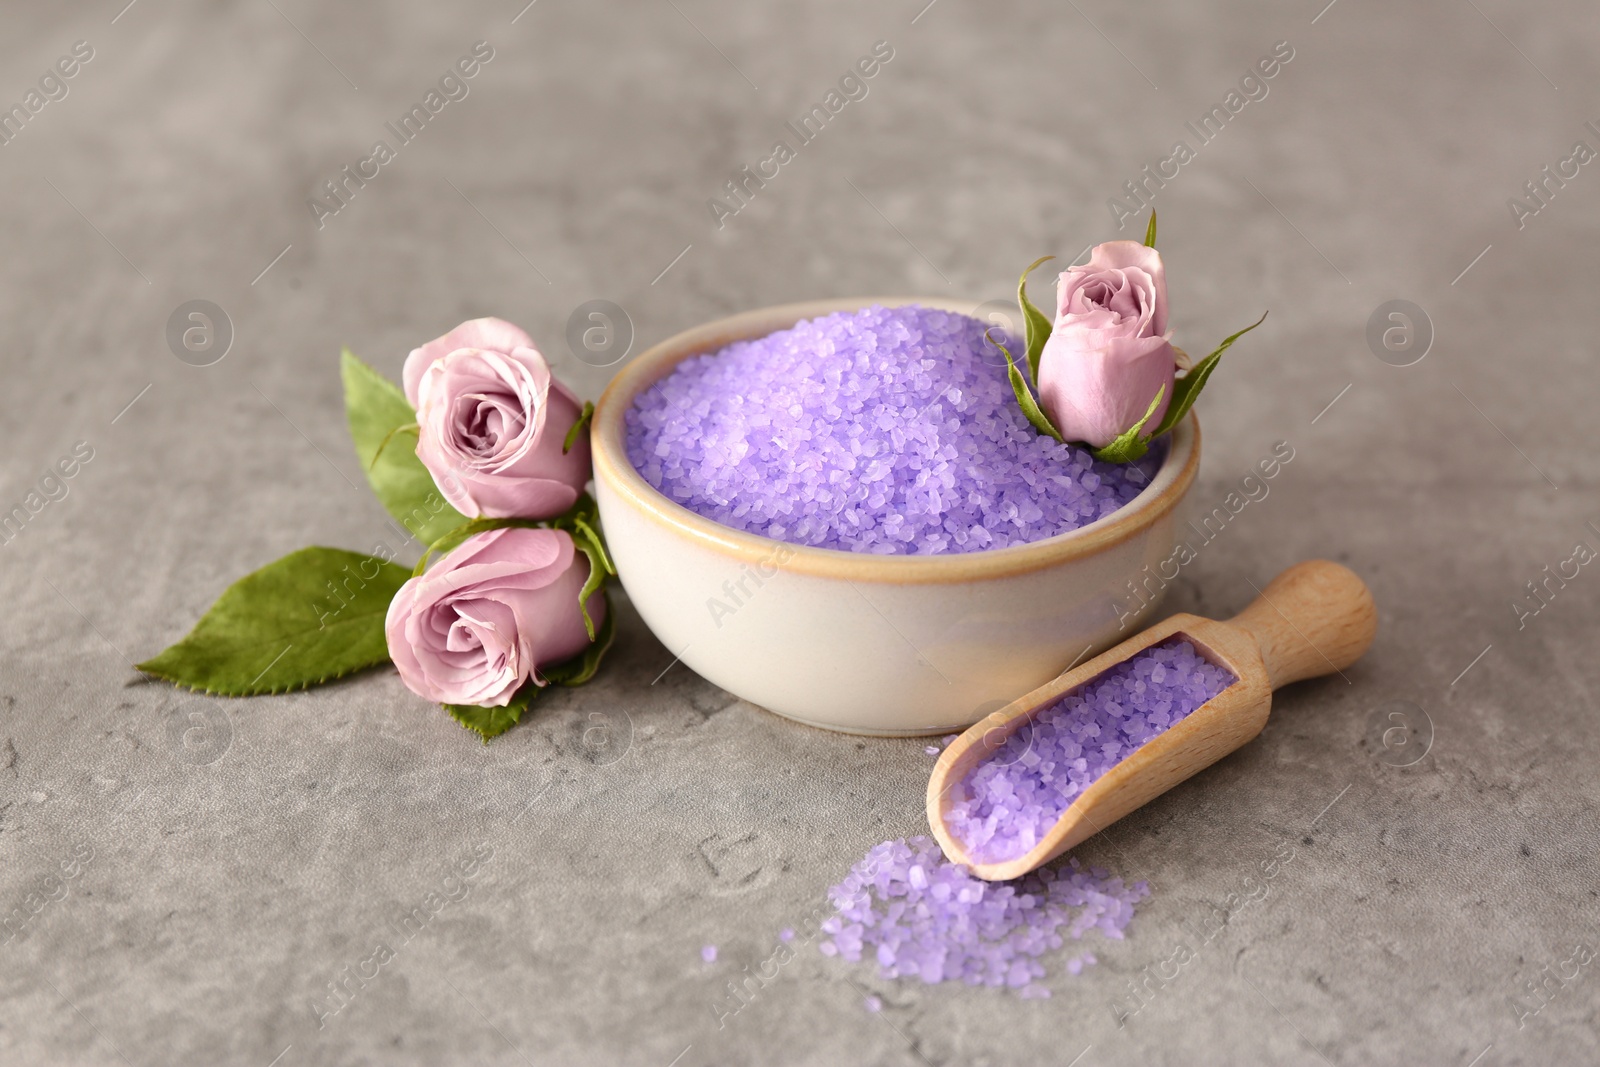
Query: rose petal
(492, 430)
(477, 625)
(495, 335)
(1094, 385)
(1122, 255)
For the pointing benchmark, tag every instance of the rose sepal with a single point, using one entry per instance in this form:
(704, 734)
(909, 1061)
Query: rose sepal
(1130, 446)
(584, 417)
(1036, 326)
(582, 523)
(1025, 399)
(1186, 389)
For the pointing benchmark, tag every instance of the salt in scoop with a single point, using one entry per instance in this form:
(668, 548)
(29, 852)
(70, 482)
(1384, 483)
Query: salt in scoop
(1315, 618)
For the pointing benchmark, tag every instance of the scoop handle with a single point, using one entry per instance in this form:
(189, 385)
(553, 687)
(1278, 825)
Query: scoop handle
(1315, 618)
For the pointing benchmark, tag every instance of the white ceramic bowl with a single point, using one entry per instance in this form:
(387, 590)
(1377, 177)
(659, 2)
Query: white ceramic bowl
(863, 643)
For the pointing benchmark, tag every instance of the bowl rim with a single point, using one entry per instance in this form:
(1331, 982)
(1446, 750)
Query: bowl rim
(612, 466)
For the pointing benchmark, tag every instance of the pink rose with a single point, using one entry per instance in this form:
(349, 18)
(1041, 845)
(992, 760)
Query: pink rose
(492, 422)
(1109, 350)
(481, 621)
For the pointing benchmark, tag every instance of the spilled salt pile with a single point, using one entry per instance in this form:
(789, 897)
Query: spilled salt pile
(880, 431)
(924, 917)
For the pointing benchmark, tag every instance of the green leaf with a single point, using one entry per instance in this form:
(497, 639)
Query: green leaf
(492, 722)
(1150, 231)
(1025, 401)
(1186, 390)
(1036, 325)
(1129, 446)
(578, 427)
(410, 428)
(310, 617)
(376, 410)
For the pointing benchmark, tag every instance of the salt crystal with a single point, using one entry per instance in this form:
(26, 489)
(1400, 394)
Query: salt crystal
(763, 436)
(927, 918)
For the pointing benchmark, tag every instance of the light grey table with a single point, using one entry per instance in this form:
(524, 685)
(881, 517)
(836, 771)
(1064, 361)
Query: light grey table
(222, 882)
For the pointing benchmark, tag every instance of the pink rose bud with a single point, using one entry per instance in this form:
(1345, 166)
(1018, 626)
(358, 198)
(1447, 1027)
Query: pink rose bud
(492, 422)
(1109, 350)
(482, 620)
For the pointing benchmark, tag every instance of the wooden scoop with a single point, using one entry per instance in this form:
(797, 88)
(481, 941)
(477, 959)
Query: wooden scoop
(1315, 618)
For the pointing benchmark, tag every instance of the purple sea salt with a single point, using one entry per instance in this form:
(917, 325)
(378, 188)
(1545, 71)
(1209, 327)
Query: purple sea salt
(881, 431)
(922, 916)
(1007, 803)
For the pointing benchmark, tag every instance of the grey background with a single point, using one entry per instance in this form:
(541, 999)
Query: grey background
(631, 823)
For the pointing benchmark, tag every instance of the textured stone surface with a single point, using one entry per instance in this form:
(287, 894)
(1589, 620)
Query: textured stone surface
(632, 823)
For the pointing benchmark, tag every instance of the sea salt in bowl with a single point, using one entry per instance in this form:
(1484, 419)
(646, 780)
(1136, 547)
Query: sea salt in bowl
(896, 644)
